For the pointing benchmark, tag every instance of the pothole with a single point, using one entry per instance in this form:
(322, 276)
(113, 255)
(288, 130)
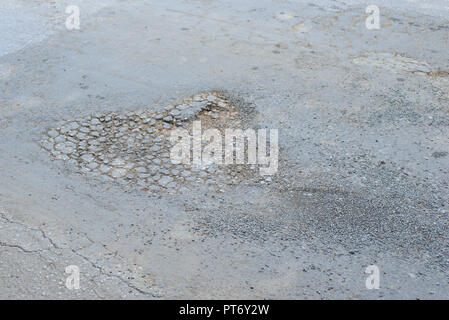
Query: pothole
(133, 149)
(393, 62)
(397, 63)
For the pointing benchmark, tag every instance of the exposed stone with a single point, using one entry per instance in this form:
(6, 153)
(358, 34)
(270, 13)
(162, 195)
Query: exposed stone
(53, 133)
(165, 180)
(133, 149)
(117, 173)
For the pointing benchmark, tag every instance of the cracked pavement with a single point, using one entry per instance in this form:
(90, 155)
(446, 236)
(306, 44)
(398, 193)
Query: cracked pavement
(363, 166)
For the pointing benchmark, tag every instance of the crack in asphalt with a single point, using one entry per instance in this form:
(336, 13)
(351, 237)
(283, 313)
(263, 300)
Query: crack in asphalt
(56, 247)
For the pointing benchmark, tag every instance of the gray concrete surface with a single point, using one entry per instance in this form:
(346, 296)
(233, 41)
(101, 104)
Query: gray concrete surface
(363, 123)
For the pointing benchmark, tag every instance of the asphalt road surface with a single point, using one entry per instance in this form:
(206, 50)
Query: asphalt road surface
(363, 121)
